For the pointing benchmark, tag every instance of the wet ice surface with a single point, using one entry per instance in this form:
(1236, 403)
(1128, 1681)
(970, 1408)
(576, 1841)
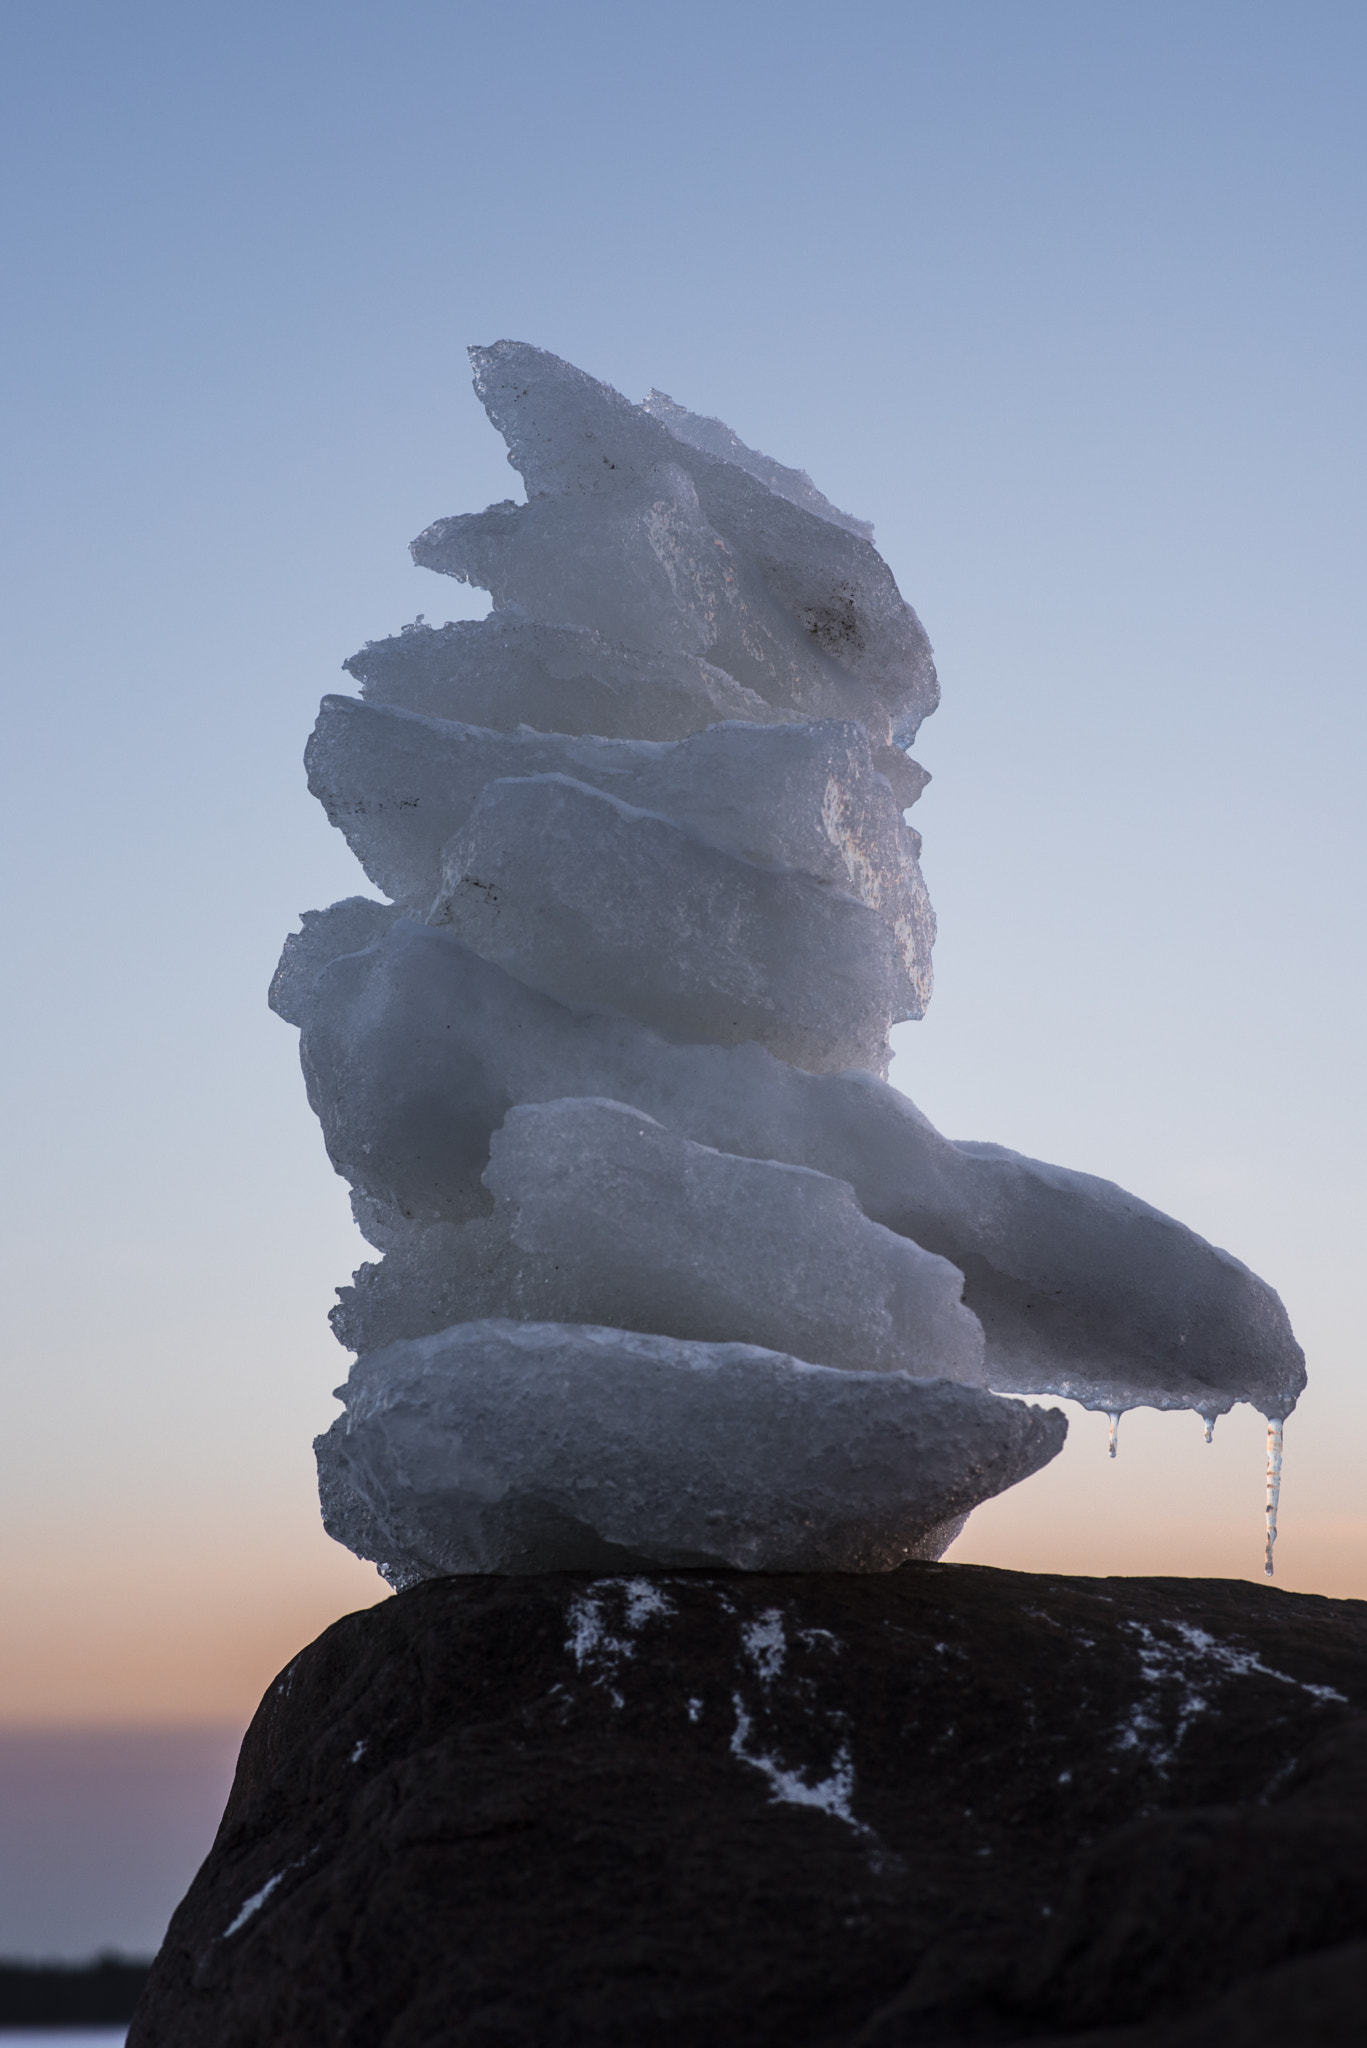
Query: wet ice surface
(609, 1057)
(1274, 1487)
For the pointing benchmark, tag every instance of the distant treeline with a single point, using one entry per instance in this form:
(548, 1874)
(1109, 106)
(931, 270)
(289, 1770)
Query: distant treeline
(95, 1994)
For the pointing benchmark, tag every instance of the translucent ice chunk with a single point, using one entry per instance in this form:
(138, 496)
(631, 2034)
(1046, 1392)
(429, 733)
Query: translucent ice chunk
(604, 1216)
(1274, 1486)
(799, 796)
(644, 566)
(616, 909)
(714, 437)
(417, 1049)
(510, 670)
(526, 1447)
(635, 533)
(324, 935)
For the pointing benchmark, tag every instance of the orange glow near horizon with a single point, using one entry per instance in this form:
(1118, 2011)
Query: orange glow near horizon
(96, 1639)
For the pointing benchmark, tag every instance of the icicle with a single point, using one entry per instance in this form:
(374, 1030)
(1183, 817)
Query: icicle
(1113, 1416)
(1274, 1487)
(1209, 1421)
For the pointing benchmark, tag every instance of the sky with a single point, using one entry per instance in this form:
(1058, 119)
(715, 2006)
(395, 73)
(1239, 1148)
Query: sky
(1067, 298)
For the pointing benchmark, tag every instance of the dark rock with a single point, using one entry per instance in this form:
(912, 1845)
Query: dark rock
(942, 1805)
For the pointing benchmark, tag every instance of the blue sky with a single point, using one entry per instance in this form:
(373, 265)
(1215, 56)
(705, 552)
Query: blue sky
(1067, 298)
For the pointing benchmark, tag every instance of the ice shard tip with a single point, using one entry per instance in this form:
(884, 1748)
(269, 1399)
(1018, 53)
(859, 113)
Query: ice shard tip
(1274, 1487)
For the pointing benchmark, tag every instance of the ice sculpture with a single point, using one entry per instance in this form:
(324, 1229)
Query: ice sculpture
(670, 1274)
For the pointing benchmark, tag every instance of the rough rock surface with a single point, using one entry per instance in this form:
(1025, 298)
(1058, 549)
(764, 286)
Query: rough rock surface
(943, 1805)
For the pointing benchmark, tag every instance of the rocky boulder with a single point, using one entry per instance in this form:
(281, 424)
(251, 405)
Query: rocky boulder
(941, 1805)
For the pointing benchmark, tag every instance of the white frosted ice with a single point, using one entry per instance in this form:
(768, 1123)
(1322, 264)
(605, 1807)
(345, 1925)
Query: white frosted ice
(670, 1274)
(1192, 1661)
(253, 1905)
(830, 1795)
(765, 1644)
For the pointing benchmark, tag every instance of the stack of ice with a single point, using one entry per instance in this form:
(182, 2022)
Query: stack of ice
(671, 1275)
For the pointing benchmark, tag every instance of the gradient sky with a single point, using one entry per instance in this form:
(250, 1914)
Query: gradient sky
(1068, 298)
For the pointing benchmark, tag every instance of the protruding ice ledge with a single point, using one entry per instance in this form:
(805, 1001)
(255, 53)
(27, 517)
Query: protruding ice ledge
(498, 1446)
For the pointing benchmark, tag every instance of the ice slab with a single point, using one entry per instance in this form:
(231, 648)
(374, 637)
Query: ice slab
(504, 1446)
(601, 1215)
(806, 797)
(510, 670)
(1083, 1290)
(617, 910)
(638, 535)
(713, 437)
(323, 936)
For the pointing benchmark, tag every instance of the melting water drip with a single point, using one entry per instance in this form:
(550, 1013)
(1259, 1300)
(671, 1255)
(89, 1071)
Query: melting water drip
(1274, 1469)
(1274, 1487)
